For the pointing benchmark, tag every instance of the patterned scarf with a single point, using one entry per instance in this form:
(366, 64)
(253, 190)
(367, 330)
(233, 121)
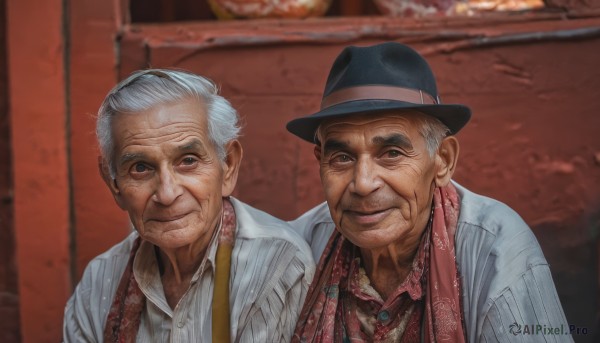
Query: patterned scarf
(123, 321)
(327, 316)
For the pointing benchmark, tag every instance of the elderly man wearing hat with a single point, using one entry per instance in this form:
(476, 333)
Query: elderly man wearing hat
(406, 254)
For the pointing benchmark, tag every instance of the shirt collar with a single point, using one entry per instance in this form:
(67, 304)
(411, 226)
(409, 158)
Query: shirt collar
(360, 286)
(147, 275)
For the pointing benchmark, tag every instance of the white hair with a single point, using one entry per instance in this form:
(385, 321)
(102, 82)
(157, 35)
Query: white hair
(433, 130)
(430, 128)
(146, 89)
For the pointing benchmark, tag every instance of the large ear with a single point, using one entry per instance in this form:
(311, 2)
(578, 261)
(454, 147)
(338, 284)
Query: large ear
(231, 167)
(111, 183)
(317, 152)
(446, 159)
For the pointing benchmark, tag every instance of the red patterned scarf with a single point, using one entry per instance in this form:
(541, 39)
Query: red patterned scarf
(123, 321)
(327, 317)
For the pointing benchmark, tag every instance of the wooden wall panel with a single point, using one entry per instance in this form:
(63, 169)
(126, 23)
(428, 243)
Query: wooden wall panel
(9, 298)
(37, 97)
(94, 29)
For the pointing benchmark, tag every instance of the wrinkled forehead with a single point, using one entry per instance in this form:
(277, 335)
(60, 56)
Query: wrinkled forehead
(406, 122)
(168, 122)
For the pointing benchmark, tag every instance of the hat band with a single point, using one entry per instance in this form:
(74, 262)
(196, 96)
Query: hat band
(415, 96)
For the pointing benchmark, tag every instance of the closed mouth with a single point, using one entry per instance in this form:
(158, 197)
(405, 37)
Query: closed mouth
(368, 217)
(167, 219)
(366, 212)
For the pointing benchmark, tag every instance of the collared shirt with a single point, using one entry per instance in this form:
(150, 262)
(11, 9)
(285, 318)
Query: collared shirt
(505, 278)
(271, 268)
(384, 321)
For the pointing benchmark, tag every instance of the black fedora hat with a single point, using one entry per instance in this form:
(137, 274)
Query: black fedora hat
(383, 77)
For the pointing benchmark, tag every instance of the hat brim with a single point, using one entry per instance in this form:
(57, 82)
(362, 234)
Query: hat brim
(453, 116)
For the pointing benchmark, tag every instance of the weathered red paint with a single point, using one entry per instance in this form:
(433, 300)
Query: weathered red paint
(99, 223)
(39, 150)
(9, 299)
(288, 78)
(533, 86)
(532, 142)
(584, 5)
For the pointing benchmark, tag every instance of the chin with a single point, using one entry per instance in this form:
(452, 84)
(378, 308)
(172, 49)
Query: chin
(368, 242)
(374, 238)
(372, 245)
(171, 240)
(173, 243)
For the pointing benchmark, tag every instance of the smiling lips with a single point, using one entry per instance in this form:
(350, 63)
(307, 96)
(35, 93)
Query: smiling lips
(367, 217)
(166, 219)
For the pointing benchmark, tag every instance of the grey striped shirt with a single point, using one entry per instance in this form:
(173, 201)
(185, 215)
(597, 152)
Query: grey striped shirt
(271, 269)
(507, 288)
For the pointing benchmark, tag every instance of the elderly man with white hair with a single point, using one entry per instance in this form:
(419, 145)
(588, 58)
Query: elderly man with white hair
(200, 265)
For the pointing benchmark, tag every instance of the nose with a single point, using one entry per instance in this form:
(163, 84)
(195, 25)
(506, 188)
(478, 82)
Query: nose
(168, 188)
(365, 179)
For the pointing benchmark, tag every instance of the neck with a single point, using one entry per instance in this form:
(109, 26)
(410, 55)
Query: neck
(388, 266)
(179, 265)
(177, 269)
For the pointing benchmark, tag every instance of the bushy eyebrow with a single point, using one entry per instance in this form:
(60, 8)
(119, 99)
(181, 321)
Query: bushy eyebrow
(395, 139)
(333, 145)
(128, 157)
(192, 146)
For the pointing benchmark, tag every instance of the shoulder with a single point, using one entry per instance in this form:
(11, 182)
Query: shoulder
(253, 223)
(316, 215)
(265, 234)
(87, 308)
(488, 228)
(110, 262)
(491, 215)
(316, 227)
(496, 251)
(494, 227)
(114, 258)
(271, 268)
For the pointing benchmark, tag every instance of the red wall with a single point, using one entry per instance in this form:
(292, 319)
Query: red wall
(532, 143)
(39, 122)
(9, 300)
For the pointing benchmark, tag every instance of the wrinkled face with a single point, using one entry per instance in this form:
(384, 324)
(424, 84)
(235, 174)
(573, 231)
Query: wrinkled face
(378, 178)
(168, 175)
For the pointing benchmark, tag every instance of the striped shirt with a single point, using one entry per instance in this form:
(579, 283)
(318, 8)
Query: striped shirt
(506, 283)
(271, 269)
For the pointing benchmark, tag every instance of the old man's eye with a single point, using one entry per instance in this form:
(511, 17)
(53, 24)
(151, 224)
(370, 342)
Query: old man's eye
(188, 160)
(392, 154)
(140, 168)
(188, 163)
(341, 159)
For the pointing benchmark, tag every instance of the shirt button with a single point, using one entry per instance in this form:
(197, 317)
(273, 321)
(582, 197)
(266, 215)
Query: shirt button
(180, 324)
(383, 316)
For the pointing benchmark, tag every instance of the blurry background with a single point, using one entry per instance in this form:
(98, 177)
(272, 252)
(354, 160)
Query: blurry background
(532, 79)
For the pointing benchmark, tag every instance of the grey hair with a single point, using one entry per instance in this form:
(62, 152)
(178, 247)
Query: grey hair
(433, 130)
(146, 89)
(430, 128)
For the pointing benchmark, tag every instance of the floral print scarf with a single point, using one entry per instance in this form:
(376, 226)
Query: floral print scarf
(427, 303)
(124, 317)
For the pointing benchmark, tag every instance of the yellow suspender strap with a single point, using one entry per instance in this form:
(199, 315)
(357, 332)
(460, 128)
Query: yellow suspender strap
(220, 305)
(221, 327)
